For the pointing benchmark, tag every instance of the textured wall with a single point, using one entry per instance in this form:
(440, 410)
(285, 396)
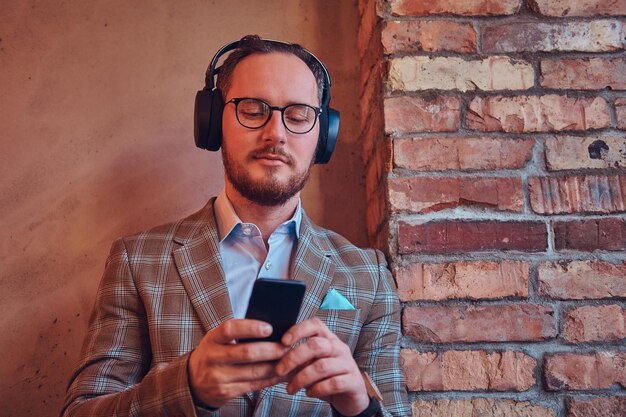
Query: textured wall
(496, 182)
(97, 142)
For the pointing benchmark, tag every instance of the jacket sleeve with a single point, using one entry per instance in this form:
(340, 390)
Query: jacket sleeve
(115, 376)
(378, 347)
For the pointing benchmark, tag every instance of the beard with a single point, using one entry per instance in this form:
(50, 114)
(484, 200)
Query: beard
(268, 191)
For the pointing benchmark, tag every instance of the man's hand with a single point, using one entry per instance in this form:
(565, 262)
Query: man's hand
(324, 366)
(220, 369)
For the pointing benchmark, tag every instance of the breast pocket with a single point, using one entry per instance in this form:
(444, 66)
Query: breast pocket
(346, 324)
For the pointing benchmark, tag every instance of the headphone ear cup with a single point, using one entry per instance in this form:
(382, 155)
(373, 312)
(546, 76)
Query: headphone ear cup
(329, 129)
(202, 117)
(214, 139)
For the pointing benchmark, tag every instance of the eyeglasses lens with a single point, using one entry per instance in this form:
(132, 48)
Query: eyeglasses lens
(252, 113)
(299, 118)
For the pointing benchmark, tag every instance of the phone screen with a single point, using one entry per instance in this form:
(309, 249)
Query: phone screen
(277, 302)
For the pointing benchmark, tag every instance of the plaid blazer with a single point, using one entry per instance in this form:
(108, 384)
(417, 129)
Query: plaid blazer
(162, 290)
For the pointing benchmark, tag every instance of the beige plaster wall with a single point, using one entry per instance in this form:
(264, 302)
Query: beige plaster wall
(97, 142)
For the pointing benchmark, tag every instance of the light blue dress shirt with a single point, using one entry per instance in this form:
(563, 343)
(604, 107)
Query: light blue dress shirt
(244, 255)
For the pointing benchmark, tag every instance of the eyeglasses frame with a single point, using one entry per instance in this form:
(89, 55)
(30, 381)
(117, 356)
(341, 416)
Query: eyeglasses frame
(237, 100)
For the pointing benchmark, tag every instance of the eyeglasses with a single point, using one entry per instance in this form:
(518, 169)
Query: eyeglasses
(254, 113)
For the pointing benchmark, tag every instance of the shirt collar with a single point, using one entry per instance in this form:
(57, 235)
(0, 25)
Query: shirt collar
(227, 219)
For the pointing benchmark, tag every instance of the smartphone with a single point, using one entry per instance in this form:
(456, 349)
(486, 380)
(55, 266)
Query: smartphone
(277, 302)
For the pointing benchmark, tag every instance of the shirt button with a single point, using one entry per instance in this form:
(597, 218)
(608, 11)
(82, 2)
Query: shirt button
(268, 265)
(246, 230)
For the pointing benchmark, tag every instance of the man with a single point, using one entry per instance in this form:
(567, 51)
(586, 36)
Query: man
(163, 336)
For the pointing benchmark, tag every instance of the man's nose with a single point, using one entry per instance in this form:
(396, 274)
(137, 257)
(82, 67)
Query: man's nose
(274, 129)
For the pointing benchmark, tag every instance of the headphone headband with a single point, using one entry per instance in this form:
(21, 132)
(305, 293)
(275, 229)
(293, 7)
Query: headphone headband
(211, 71)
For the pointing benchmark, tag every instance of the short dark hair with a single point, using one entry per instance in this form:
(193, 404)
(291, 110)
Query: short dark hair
(253, 44)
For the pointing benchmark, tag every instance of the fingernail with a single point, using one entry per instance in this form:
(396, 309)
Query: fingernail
(266, 329)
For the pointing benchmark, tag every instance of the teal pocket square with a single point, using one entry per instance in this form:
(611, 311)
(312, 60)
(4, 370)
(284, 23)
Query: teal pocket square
(335, 301)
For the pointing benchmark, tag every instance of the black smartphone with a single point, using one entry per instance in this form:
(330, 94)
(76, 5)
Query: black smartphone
(277, 302)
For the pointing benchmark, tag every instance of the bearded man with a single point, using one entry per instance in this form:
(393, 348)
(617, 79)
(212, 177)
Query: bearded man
(163, 336)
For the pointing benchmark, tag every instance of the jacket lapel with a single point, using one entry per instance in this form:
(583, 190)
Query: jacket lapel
(313, 266)
(199, 265)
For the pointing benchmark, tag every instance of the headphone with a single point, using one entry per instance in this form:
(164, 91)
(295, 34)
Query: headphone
(209, 107)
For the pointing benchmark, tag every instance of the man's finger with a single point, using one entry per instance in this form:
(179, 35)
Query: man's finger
(256, 385)
(332, 386)
(231, 330)
(245, 353)
(249, 372)
(240, 353)
(317, 371)
(308, 328)
(315, 347)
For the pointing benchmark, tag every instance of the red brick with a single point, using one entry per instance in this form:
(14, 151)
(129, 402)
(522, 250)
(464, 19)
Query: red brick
(374, 4)
(433, 36)
(579, 7)
(367, 23)
(373, 137)
(471, 153)
(574, 371)
(580, 194)
(363, 5)
(464, 8)
(589, 152)
(479, 370)
(580, 280)
(505, 323)
(427, 194)
(372, 64)
(370, 79)
(463, 279)
(423, 370)
(597, 407)
(537, 113)
(584, 73)
(372, 118)
(380, 239)
(588, 235)
(377, 211)
(467, 236)
(593, 36)
(595, 323)
(376, 214)
(468, 370)
(479, 407)
(417, 114)
(620, 112)
(378, 168)
(414, 73)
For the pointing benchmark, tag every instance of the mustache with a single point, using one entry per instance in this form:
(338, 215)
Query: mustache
(272, 150)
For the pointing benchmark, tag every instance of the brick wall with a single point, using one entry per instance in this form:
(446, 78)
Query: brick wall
(494, 134)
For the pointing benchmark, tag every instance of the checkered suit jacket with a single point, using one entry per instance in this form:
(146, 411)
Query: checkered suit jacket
(162, 290)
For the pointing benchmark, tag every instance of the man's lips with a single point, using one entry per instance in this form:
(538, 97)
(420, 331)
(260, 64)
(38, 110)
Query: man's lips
(272, 157)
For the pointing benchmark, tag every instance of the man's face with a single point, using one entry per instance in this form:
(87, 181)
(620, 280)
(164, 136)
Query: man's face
(269, 165)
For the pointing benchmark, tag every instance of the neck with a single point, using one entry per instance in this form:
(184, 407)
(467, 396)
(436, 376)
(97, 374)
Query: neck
(266, 218)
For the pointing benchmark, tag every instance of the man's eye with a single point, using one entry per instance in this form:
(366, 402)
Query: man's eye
(297, 119)
(250, 114)
(299, 115)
